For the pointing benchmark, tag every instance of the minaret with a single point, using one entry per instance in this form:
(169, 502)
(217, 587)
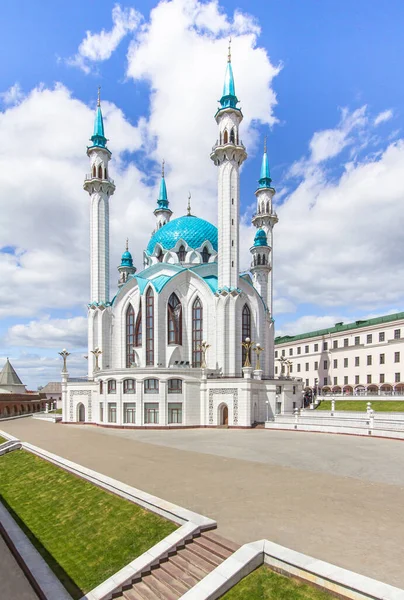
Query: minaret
(100, 187)
(126, 267)
(265, 218)
(260, 265)
(163, 212)
(228, 155)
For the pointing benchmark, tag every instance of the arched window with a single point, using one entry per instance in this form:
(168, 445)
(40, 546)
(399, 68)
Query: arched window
(225, 137)
(197, 332)
(130, 336)
(174, 320)
(160, 255)
(100, 172)
(138, 328)
(105, 172)
(149, 327)
(181, 254)
(245, 330)
(129, 386)
(232, 136)
(94, 171)
(259, 259)
(205, 255)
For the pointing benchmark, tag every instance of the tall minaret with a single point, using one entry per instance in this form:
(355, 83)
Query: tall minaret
(228, 155)
(100, 187)
(265, 218)
(163, 212)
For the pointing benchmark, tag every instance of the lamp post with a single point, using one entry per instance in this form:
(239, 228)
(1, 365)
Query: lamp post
(203, 347)
(267, 403)
(258, 349)
(64, 354)
(247, 344)
(97, 353)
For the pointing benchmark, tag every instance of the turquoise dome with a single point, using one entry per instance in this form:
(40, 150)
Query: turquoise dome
(127, 260)
(192, 230)
(260, 238)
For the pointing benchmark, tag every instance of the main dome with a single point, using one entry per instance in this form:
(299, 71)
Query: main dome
(192, 230)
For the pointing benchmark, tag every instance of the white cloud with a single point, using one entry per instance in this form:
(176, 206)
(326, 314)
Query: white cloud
(49, 333)
(308, 323)
(98, 47)
(382, 117)
(13, 95)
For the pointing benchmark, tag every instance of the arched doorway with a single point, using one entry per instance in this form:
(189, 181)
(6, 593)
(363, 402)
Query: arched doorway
(224, 415)
(81, 413)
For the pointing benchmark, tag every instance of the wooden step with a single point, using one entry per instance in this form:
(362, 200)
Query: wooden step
(204, 554)
(140, 591)
(172, 582)
(185, 577)
(221, 541)
(213, 547)
(186, 565)
(160, 589)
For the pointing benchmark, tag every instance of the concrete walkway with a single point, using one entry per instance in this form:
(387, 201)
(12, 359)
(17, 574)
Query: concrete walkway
(337, 498)
(13, 583)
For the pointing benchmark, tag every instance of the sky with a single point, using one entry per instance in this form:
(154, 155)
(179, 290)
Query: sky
(323, 80)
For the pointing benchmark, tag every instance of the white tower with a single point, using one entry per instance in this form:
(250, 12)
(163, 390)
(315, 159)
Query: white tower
(228, 155)
(264, 219)
(260, 264)
(162, 212)
(100, 187)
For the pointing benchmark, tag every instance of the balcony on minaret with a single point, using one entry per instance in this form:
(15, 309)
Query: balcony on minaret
(104, 177)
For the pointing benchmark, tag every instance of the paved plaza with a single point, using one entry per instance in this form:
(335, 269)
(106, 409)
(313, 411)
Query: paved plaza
(338, 498)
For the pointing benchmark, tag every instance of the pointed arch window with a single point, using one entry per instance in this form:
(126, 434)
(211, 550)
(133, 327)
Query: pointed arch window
(160, 254)
(94, 171)
(138, 327)
(225, 137)
(100, 172)
(232, 137)
(205, 255)
(130, 336)
(181, 253)
(245, 330)
(174, 320)
(149, 327)
(197, 332)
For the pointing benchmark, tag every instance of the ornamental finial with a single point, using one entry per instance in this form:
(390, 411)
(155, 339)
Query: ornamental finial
(265, 144)
(229, 54)
(162, 167)
(127, 244)
(189, 205)
(99, 96)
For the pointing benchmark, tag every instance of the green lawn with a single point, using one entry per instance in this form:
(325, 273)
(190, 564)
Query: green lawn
(360, 405)
(264, 584)
(2, 440)
(84, 533)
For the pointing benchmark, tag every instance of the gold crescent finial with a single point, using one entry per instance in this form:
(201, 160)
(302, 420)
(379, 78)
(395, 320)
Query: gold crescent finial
(189, 204)
(162, 167)
(99, 96)
(229, 54)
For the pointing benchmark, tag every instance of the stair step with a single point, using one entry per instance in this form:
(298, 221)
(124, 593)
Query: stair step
(206, 555)
(215, 537)
(197, 560)
(178, 587)
(139, 591)
(160, 589)
(185, 577)
(211, 546)
(196, 570)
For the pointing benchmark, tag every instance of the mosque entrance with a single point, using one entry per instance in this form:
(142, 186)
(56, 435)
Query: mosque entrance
(225, 415)
(81, 413)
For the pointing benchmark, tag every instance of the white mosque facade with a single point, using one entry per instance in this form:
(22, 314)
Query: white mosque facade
(188, 341)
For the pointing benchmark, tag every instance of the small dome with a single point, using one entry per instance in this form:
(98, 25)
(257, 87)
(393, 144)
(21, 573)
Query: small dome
(192, 230)
(127, 260)
(260, 238)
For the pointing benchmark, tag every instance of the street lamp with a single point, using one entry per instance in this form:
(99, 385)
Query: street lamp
(64, 354)
(267, 403)
(258, 349)
(247, 344)
(203, 347)
(97, 353)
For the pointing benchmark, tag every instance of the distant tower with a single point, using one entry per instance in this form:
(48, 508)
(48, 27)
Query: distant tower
(228, 155)
(163, 212)
(260, 265)
(264, 219)
(100, 187)
(126, 267)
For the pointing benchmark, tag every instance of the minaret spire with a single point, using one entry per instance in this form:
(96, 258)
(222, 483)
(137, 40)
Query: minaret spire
(189, 205)
(162, 212)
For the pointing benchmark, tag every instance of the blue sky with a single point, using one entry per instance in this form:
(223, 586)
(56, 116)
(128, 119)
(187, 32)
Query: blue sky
(322, 79)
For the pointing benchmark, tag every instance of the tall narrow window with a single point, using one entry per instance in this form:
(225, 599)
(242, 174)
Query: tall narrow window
(181, 254)
(149, 327)
(232, 136)
(245, 331)
(205, 255)
(174, 320)
(160, 255)
(100, 172)
(197, 332)
(225, 137)
(130, 336)
(138, 327)
(94, 171)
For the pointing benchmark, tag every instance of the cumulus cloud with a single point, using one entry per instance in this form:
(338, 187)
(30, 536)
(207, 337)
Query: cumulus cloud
(49, 333)
(97, 47)
(13, 95)
(309, 323)
(384, 116)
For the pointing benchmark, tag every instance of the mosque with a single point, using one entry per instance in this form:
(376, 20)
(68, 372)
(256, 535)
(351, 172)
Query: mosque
(187, 341)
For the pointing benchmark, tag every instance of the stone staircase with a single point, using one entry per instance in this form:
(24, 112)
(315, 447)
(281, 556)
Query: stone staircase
(175, 575)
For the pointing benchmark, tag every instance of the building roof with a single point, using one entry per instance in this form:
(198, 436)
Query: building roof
(190, 229)
(53, 387)
(339, 328)
(8, 376)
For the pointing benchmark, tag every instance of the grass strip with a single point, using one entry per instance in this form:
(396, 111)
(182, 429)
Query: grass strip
(360, 405)
(2, 440)
(264, 584)
(84, 533)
